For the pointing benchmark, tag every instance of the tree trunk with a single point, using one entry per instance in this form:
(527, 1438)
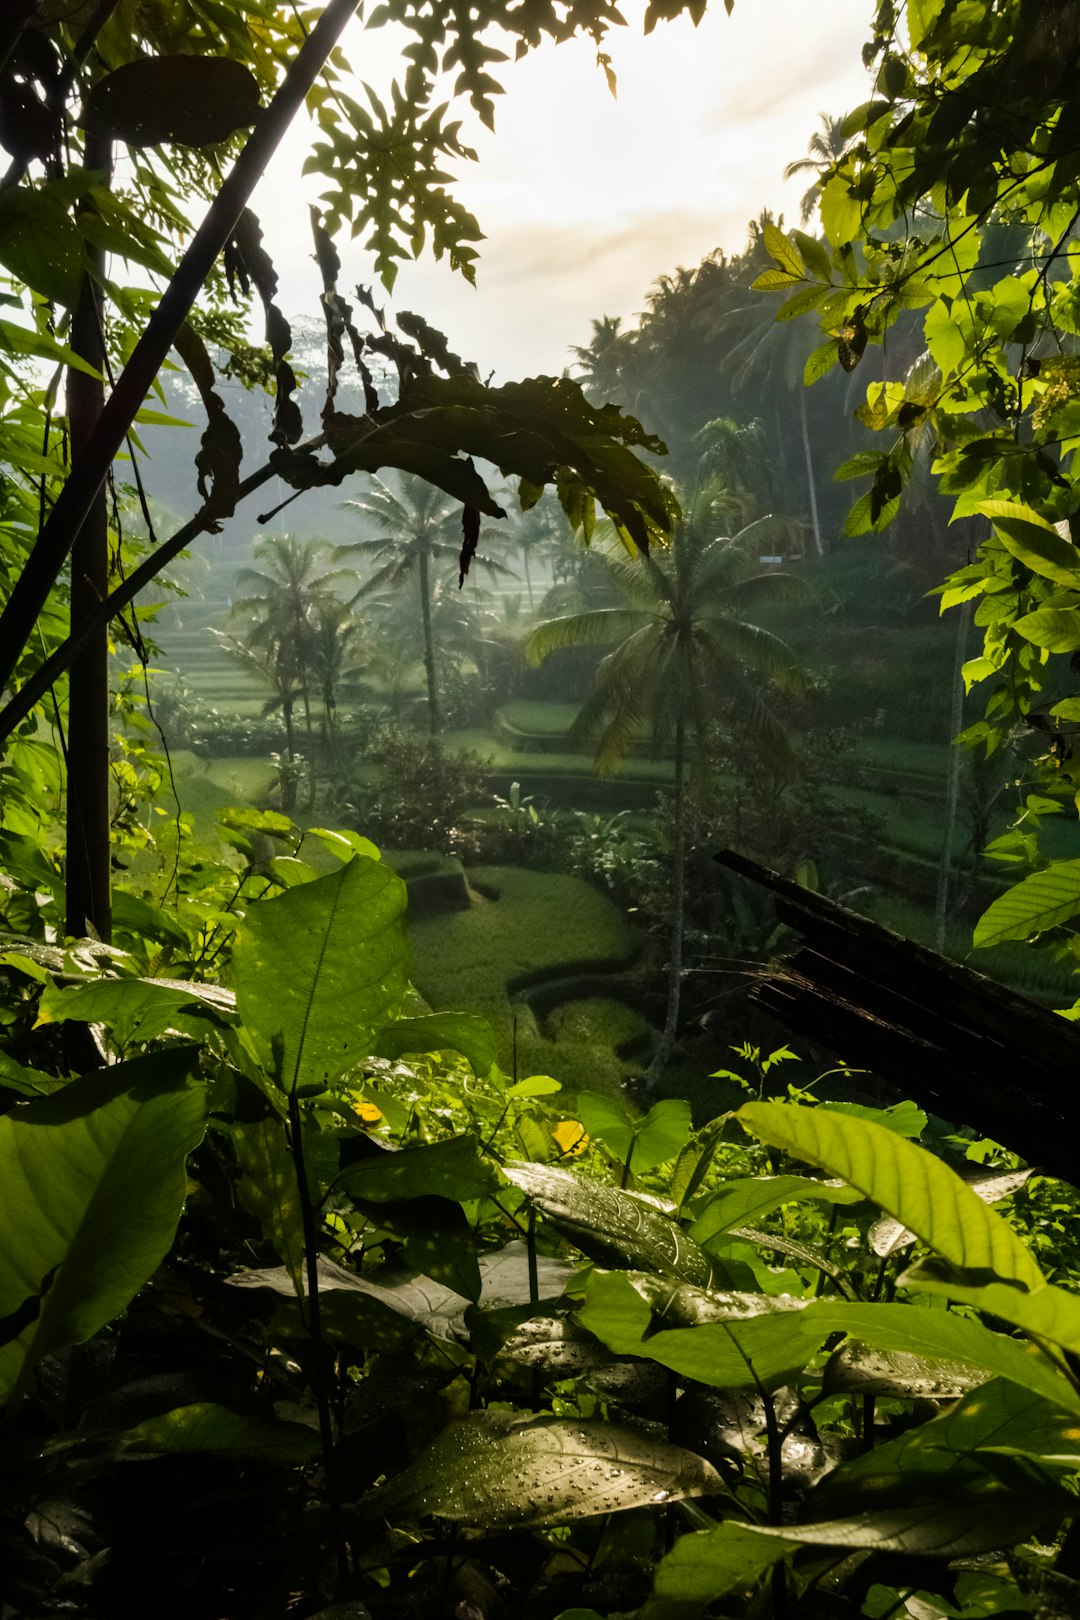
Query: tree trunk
(429, 644)
(528, 577)
(288, 775)
(952, 789)
(666, 1043)
(89, 908)
(810, 480)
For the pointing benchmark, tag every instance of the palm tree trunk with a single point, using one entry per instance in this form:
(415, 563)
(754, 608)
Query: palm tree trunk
(89, 832)
(952, 788)
(429, 644)
(288, 778)
(811, 483)
(528, 576)
(666, 1042)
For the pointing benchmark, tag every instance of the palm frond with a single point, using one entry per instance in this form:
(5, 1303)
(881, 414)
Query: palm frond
(596, 629)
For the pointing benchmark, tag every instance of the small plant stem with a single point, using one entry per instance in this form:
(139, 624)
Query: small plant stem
(318, 1349)
(868, 1423)
(625, 1177)
(534, 1295)
(776, 1461)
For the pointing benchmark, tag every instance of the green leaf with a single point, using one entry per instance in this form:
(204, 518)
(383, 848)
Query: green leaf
(494, 1470)
(92, 1183)
(1046, 1313)
(267, 1187)
(740, 1201)
(841, 213)
(905, 1118)
(207, 1427)
(473, 1037)
(904, 1179)
(708, 1565)
(997, 1418)
(193, 100)
(320, 969)
(1056, 629)
(820, 361)
(452, 1169)
(779, 248)
(535, 1085)
(610, 1225)
(439, 1242)
(131, 914)
(24, 340)
(1043, 900)
(777, 281)
(138, 1009)
(1036, 543)
(40, 242)
(344, 844)
(815, 255)
(860, 1369)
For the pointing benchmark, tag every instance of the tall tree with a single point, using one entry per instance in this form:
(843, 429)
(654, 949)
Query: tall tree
(825, 148)
(416, 543)
(685, 652)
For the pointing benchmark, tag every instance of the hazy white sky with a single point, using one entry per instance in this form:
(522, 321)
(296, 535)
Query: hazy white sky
(585, 200)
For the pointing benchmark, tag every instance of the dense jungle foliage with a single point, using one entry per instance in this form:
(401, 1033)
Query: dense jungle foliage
(377, 1234)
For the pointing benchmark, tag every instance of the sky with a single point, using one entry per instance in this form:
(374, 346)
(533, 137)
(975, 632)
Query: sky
(585, 200)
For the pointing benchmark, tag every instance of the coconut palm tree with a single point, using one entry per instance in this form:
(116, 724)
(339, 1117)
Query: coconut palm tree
(685, 652)
(825, 148)
(417, 538)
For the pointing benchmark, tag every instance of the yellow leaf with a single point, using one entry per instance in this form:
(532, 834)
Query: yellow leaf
(367, 1111)
(570, 1136)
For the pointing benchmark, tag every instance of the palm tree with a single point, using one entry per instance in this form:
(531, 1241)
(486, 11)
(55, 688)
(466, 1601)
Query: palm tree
(418, 534)
(825, 147)
(683, 654)
(269, 655)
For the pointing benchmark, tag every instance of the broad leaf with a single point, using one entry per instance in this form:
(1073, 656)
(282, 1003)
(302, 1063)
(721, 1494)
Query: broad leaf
(645, 1140)
(749, 1198)
(320, 969)
(1046, 1313)
(857, 1369)
(1043, 900)
(194, 100)
(451, 1169)
(494, 1471)
(92, 1183)
(887, 1236)
(1056, 629)
(709, 1565)
(610, 1225)
(504, 1281)
(1036, 543)
(905, 1180)
(208, 1427)
(267, 1187)
(473, 1037)
(137, 1010)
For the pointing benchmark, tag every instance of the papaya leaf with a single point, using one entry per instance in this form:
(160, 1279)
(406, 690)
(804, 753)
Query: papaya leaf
(320, 969)
(907, 1181)
(207, 1427)
(1044, 900)
(493, 1470)
(92, 1183)
(610, 1225)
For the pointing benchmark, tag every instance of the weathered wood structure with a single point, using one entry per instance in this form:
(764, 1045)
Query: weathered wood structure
(953, 1040)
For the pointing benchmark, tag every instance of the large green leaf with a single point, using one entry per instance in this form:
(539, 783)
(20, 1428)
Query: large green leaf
(779, 1335)
(1043, 900)
(610, 1225)
(1056, 629)
(473, 1037)
(139, 1010)
(709, 1565)
(320, 969)
(208, 1427)
(750, 1197)
(40, 242)
(860, 1370)
(997, 1419)
(643, 1140)
(92, 1183)
(496, 1470)
(1047, 1313)
(267, 1187)
(1036, 543)
(905, 1180)
(451, 1169)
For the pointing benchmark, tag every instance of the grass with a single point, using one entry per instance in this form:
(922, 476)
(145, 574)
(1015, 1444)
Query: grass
(527, 927)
